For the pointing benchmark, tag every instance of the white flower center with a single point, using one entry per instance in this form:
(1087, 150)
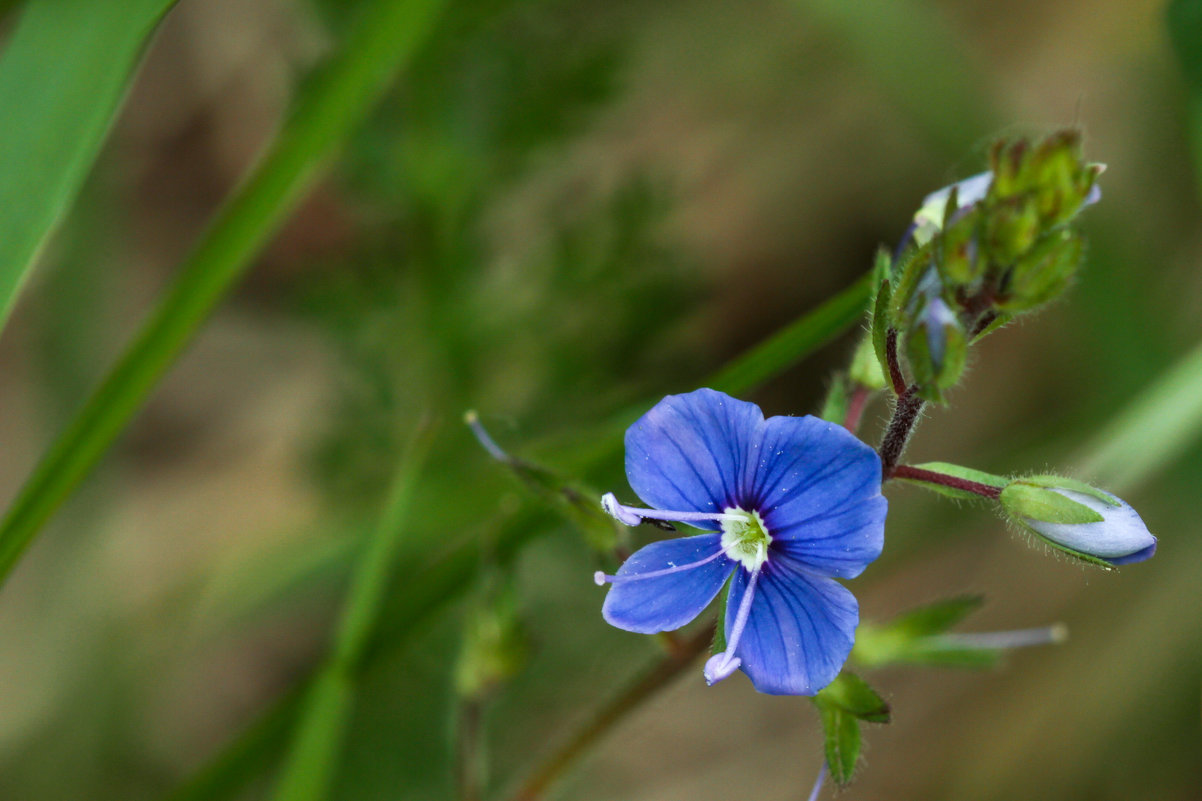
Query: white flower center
(745, 538)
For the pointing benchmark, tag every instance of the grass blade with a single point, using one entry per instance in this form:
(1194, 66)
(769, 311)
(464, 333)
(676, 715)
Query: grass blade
(63, 75)
(795, 341)
(339, 96)
(312, 761)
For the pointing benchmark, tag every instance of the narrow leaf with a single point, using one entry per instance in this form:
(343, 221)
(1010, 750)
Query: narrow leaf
(787, 346)
(63, 75)
(313, 758)
(332, 104)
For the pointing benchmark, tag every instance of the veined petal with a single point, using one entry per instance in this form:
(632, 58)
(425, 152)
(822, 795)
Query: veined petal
(810, 469)
(840, 544)
(666, 584)
(688, 453)
(800, 629)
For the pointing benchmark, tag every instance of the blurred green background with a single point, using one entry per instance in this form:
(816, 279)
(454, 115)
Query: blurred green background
(560, 211)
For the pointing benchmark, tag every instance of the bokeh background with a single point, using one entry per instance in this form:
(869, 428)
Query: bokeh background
(564, 209)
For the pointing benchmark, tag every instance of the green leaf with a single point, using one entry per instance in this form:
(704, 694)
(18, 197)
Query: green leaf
(63, 74)
(834, 408)
(796, 340)
(841, 741)
(853, 695)
(329, 108)
(938, 617)
(1184, 21)
(1039, 503)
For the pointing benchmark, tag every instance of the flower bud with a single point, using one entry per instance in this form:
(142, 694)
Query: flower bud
(935, 346)
(1044, 272)
(1078, 519)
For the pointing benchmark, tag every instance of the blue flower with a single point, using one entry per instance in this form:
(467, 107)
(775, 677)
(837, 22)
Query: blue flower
(789, 503)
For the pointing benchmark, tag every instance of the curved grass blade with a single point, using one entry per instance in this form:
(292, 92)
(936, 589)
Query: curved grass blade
(63, 75)
(331, 104)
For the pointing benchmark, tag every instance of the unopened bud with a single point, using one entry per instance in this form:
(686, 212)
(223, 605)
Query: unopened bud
(1078, 519)
(1044, 272)
(935, 347)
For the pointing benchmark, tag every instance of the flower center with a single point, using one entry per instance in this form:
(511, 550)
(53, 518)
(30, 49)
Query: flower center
(744, 537)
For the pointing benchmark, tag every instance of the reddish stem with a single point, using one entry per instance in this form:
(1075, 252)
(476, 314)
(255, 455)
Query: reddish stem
(944, 480)
(855, 407)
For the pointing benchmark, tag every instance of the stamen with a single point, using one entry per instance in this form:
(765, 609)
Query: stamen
(719, 666)
(633, 515)
(601, 578)
(487, 442)
(818, 782)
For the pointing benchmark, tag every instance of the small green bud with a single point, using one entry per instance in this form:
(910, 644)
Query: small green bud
(494, 645)
(1044, 272)
(936, 346)
(958, 259)
(1012, 227)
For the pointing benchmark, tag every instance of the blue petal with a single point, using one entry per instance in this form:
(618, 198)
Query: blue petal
(840, 544)
(668, 601)
(800, 630)
(689, 452)
(818, 483)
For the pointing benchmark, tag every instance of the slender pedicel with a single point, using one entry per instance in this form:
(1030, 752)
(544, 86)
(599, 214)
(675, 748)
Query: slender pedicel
(719, 666)
(818, 782)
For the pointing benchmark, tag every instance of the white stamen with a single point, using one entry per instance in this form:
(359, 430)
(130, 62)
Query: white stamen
(1019, 638)
(632, 515)
(487, 442)
(719, 666)
(602, 578)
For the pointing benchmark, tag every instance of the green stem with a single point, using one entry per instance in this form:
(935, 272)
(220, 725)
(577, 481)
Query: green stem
(309, 769)
(332, 104)
(647, 684)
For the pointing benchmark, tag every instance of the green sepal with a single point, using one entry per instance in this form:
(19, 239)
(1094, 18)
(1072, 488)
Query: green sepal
(841, 741)
(914, 265)
(834, 406)
(919, 637)
(1051, 481)
(881, 323)
(1044, 272)
(853, 695)
(1000, 319)
(955, 470)
(1024, 500)
(865, 370)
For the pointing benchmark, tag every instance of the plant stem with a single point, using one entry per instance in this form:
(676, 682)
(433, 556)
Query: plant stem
(469, 757)
(905, 416)
(855, 407)
(943, 479)
(654, 679)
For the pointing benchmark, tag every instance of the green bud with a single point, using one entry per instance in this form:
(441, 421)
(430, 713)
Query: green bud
(494, 645)
(1011, 228)
(936, 346)
(1044, 272)
(958, 261)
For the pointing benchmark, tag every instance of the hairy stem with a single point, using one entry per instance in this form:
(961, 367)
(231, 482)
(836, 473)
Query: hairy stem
(905, 416)
(654, 679)
(896, 378)
(943, 479)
